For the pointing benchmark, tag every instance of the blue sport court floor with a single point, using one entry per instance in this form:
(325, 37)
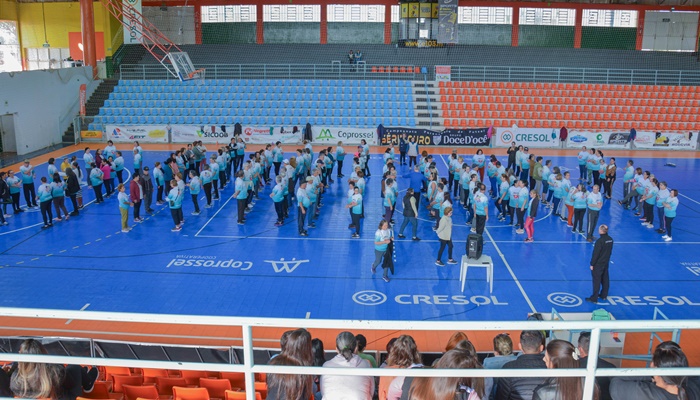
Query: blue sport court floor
(216, 267)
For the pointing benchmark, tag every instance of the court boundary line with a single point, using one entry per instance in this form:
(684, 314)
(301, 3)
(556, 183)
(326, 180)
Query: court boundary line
(510, 270)
(221, 207)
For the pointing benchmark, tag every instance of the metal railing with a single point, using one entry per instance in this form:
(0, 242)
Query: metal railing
(270, 71)
(249, 367)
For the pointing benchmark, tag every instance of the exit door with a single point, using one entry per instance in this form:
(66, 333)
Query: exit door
(8, 142)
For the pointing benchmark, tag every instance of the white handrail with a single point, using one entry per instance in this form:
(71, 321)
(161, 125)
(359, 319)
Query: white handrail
(249, 368)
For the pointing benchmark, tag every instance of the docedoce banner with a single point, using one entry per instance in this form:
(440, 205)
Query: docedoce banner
(425, 137)
(528, 137)
(323, 135)
(142, 133)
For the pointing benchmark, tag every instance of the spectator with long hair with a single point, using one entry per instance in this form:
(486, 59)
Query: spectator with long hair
(319, 358)
(451, 388)
(404, 354)
(667, 355)
(346, 387)
(296, 351)
(561, 354)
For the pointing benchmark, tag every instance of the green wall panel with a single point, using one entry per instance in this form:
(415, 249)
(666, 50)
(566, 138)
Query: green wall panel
(228, 32)
(546, 36)
(485, 34)
(292, 32)
(608, 38)
(356, 32)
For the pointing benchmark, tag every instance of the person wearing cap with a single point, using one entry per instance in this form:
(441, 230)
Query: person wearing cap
(28, 174)
(303, 204)
(147, 185)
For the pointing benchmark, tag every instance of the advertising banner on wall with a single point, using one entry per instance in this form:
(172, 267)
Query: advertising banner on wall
(133, 21)
(267, 134)
(665, 140)
(207, 134)
(443, 73)
(426, 137)
(142, 133)
(447, 21)
(601, 140)
(332, 136)
(528, 137)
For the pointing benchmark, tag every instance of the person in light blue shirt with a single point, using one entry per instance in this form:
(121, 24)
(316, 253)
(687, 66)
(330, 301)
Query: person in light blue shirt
(44, 196)
(382, 239)
(492, 173)
(88, 159)
(220, 160)
(96, 179)
(595, 203)
(580, 198)
(365, 154)
(312, 192)
(303, 204)
(118, 165)
(546, 173)
(240, 152)
(569, 205)
(58, 193)
(15, 184)
(525, 165)
(277, 157)
(109, 151)
(628, 178)
(356, 211)
(670, 206)
(502, 201)
(195, 186)
(174, 198)
(215, 174)
(340, 157)
(138, 159)
(27, 174)
(481, 209)
(241, 195)
(277, 197)
(649, 200)
(661, 197)
(582, 164)
(389, 200)
(51, 169)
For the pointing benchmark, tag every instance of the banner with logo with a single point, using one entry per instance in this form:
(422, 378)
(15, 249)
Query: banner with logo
(601, 140)
(443, 73)
(133, 21)
(205, 133)
(447, 21)
(448, 137)
(666, 140)
(91, 135)
(323, 135)
(82, 98)
(270, 134)
(142, 133)
(528, 137)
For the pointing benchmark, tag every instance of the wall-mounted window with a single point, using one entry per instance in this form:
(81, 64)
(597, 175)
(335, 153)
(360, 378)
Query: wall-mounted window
(292, 13)
(246, 13)
(610, 18)
(547, 16)
(485, 15)
(355, 13)
(395, 13)
(10, 57)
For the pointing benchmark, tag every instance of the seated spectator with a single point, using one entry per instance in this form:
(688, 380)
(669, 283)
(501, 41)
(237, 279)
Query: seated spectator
(361, 344)
(347, 387)
(455, 339)
(503, 349)
(667, 355)
(561, 354)
(351, 57)
(389, 345)
(518, 388)
(5, 384)
(584, 342)
(319, 356)
(404, 354)
(42, 380)
(296, 351)
(444, 388)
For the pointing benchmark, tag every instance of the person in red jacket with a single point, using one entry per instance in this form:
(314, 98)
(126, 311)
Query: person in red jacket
(136, 196)
(563, 134)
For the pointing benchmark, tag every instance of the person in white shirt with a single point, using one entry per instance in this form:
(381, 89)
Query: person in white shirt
(335, 387)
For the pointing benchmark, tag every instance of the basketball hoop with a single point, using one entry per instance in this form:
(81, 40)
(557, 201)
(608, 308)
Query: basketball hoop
(197, 76)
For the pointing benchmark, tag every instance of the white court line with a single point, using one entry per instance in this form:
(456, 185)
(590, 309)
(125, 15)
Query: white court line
(82, 309)
(512, 274)
(348, 239)
(213, 216)
(587, 243)
(694, 201)
(308, 314)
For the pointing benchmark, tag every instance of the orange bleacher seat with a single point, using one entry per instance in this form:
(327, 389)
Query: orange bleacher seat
(261, 387)
(396, 69)
(416, 70)
(192, 377)
(231, 395)
(441, 84)
(119, 380)
(187, 393)
(150, 374)
(110, 371)
(380, 69)
(100, 390)
(237, 379)
(145, 392)
(374, 69)
(215, 386)
(587, 125)
(402, 70)
(165, 385)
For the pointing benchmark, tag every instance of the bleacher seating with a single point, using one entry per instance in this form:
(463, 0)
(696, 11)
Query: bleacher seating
(578, 106)
(346, 103)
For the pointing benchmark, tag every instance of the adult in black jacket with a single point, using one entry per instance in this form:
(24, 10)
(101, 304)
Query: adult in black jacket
(403, 148)
(667, 355)
(599, 265)
(72, 189)
(410, 214)
(522, 388)
(584, 342)
(147, 186)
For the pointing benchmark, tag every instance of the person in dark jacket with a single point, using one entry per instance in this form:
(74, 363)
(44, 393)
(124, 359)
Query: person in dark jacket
(410, 214)
(72, 189)
(5, 197)
(522, 388)
(403, 148)
(667, 355)
(584, 342)
(563, 135)
(512, 162)
(147, 185)
(599, 265)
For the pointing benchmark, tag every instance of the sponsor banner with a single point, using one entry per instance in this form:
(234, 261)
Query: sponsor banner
(82, 96)
(205, 133)
(142, 133)
(94, 135)
(270, 134)
(666, 140)
(528, 137)
(601, 140)
(448, 137)
(443, 73)
(447, 21)
(322, 135)
(133, 21)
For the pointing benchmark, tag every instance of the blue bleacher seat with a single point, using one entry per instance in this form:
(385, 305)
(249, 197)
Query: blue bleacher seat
(336, 121)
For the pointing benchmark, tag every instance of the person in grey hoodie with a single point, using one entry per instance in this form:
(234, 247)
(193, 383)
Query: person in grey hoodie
(444, 232)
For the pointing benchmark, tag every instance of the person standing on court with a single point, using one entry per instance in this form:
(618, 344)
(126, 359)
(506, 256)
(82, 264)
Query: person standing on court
(303, 203)
(594, 200)
(136, 196)
(241, 195)
(599, 265)
(403, 149)
(410, 214)
(563, 135)
(444, 232)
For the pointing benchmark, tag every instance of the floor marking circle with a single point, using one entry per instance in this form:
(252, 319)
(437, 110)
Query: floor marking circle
(564, 299)
(369, 298)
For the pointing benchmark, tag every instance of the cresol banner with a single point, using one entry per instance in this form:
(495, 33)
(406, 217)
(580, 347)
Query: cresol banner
(142, 133)
(666, 140)
(448, 137)
(323, 135)
(601, 140)
(133, 21)
(528, 137)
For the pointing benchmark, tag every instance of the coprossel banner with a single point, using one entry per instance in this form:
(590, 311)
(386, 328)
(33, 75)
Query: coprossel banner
(448, 137)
